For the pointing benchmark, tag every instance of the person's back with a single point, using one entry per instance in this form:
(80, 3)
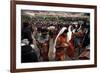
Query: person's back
(28, 54)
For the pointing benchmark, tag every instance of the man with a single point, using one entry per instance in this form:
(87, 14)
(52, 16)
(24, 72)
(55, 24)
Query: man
(43, 39)
(28, 54)
(26, 32)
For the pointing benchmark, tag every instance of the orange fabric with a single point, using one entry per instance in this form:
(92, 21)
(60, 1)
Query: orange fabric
(60, 55)
(70, 49)
(62, 39)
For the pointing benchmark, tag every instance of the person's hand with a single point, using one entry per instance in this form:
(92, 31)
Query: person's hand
(64, 45)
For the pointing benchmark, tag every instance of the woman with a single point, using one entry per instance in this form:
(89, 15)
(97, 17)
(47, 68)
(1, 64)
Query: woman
(61, 46)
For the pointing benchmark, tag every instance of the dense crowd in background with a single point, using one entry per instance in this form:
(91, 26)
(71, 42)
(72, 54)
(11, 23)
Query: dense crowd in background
(54, 38)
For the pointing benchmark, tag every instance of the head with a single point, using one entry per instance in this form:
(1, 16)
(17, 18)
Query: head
(65, 33)
(25, 41)
(77, 26)
(44, 32)
(25, 24)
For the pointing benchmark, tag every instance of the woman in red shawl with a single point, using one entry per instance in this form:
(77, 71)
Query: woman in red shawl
(63, 45)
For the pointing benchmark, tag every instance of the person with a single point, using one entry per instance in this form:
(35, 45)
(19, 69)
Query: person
(26, 32)
(51, 52)
(64, 45)
(86, 39)
(61, 46)
(28, 54)
(70, 40)
(79, 37)
(43, 44)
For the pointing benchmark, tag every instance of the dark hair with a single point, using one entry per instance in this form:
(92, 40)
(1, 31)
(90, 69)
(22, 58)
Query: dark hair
(25, 24)
(44, 30)
(66, 31)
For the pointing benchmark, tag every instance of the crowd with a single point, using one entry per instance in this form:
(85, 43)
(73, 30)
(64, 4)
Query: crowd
(54, 39)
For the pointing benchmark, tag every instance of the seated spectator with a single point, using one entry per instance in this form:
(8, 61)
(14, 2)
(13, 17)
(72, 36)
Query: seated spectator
(28, 54)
